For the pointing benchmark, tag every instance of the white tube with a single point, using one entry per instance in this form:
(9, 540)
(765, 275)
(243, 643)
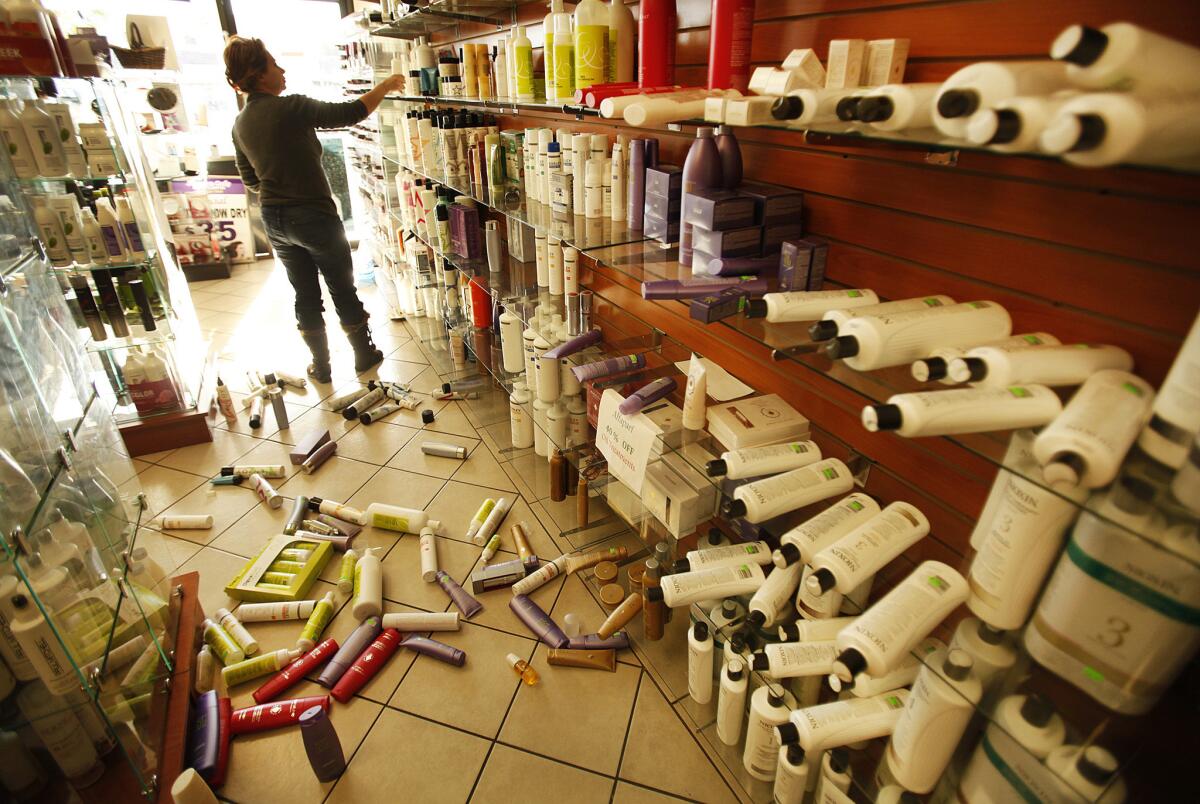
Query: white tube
(820, 728)
(1015, 125)
(700, 663)
(429, 556)
(368, 586)
(422, 621)
(813, 630)
(686, 588)
(511, 346)
(765, 499)
(1125, 56)
(938, 363)
(727, 555)
(862, 552)
(1087, 443)
(831, 320)
(771, 599)
(806, 305)
(1106, 128)
(1059, 364)
(499, 511)
(275, 612)
(759, 461)
(963, 410)
(895, 107)
(731, 701)
(985, 83)
(871, 342)
(616, 106)
(880, 637)
(543, 575)
(245, 640)
(808, 538)
(796, 659)
(695, 396)
(803, 107)
(657, 110)
(1176, 411)
(864, 685)
(184, 522)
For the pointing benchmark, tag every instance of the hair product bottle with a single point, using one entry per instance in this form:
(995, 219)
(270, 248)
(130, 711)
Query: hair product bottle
(1023, 731)
(729, 45)
(982, 84)
(1124, 56)
(701, 171)
(591, 43)
(770, 705)
(656, 43)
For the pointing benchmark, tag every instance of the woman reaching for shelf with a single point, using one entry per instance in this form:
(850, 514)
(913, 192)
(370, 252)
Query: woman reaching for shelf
(279, 156)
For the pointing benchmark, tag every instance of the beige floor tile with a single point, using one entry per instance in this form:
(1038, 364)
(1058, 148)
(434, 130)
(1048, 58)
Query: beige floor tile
(217, 568)
(662, 753)
(541, 781)
(166, 551)
(314, 419)
(412, 459)
(428, 382)
(375, 443)
(268, 426)
(496, 612)
(226, 504)
(260, 524)
(456, 504)
(163, 487)
(393, 371)
(155, 457)
(140, 466)
(484, 470)
(632, 794)
(408, 350)
(402, 571)
(272, 452)
(452, 420)
(208, 458)
(337, 479)
(599, 704)
(413, 759)
(396, 487)
(472, 697)
(340, 388)
(270, 767)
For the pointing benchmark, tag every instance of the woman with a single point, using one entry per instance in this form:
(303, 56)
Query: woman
(279, 156)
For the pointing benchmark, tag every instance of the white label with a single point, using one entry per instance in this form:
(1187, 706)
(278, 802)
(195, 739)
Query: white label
(625, 441)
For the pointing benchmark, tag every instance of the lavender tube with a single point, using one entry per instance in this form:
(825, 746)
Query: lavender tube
(740, 266)
(468, 605)
(637, 183)
(355, 644)
(436, 650)
(574, 345)
(322, 745)
(613, 365)
(618, 641)
(695, 288)
(647, 394)
(538, 621)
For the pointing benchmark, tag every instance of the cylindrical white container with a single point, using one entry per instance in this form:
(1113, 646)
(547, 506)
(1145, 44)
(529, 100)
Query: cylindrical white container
(831, 320)
(1106, 128)
(731, 701)
(1062, 364)
(1176, 411)
(862, 552)
(368, 586)
(896, 107)
(769, 707)
(991, 653)
(61, 734)
(686, 588)
(422, 621)
(791, 775)
(768, 498)
(1022, 733)
(700, 663)
(1124, 56)
(512, 347)
(1015, 125)
(235, 629)
(982, 84)
(520, 414)
(541, 444)
(759, 461)
(807, 305)
(963, 410)
(808, 538)
(871, 342)
(429, 557)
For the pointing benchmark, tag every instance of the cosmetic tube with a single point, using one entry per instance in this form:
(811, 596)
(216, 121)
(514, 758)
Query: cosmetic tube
(964, 410)
(274, 471)
(321, 744)
(1031, 361)
(657, 110)
(618, 641)
(574, 345)
(468, 605)
(396, 517)
(696, 287)
(235, 629)
(820, 728)
(190, 788)
(772, 496)
(879, 341)
(984, 83)
(575, 563)
(759, 461)
(206, 667)
(865, 685)
(808, 538)
(250, 669)
(538, 621)
(521, 540)
(443, 450)
(279, 408)
(489, 526)
(771, 599)
(539, 578)
(222, 644)
(354, 644)
(299, 509)
(435, 650)
(345, 582)
(265, 491)
(862, 552)
(683, 589)
(366, 665)
(880, 637)
(429, 557)
(1127, 57)
(648, 393)
(275, 612)
(368, 586)
(340, 543)
(726, 555)
(341, 401)
(801, 305)
(896, 107)
(480, 517)
(273, 715)
(295, 672)
(796, 659)
(364, 403)
(831, 320)
(415, 622)
(342, 527)
(588, 659)
(612, 365)
(620, 616)
(320, 617)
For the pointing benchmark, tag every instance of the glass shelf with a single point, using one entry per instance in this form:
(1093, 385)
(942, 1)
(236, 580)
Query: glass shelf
(502, 105)
(438, 15)
(112, 178)
(146, 263)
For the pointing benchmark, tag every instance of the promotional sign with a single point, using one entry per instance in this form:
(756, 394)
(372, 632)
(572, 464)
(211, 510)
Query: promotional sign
(212, 221)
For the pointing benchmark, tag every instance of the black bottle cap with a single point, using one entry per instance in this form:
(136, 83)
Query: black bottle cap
(841, 347)
(19, 601)
(681, 565)
(789, 632)
(1008, 127)
(760, 662)
(700, 631)
(820, 582)
(872, 110)
(653, 594)
(314, 503)
(1092, 131)
(729, 608)
(847, 108)
(849, 663)
(226, 471)
(414, 73)
(1096, 765)
(735, 669)
(976, 368)
(775, 696)
(756, 619)
(795, 754)
(823, 330)
(733, 508)
(756, 308)
(737, 642)
(887, 417)
(992, 636)
(909, 798)
(1132, 494)
(716, 468)
(427, 416)
(958, 102)
(790, 554)
(957, 665)
(788, 733)
(929, 369)
(1036, 711)
(839, 759)
(787, 108)
(714, 536)
(446, 388)
(1080, 45)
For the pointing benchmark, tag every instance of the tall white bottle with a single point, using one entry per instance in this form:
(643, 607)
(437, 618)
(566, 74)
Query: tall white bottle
(564, 58)
(622, 29)
(591, 44)
(523, 64)
(42, 132)
(110, 230)
(92, 234)
(129, 229)
(76, 161)
(12, 134)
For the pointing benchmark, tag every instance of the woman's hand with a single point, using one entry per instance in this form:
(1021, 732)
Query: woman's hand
(394, 83)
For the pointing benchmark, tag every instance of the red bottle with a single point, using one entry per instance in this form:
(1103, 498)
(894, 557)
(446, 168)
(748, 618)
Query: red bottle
(368, 663)
(273, 715)
(295, 672)
(656, 43)
(729, 44)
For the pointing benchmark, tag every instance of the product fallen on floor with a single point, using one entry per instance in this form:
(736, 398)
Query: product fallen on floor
(306, 445)
(296, 672)
(274, 715)
(367, 664)
(264, 579)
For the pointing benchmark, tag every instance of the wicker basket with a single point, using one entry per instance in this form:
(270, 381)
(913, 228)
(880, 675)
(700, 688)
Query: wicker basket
(139, 56)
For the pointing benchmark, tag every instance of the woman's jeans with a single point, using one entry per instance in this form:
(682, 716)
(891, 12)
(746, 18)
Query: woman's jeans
(310, 240)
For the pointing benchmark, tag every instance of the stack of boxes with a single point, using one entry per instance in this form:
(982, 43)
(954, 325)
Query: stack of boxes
(664, 188)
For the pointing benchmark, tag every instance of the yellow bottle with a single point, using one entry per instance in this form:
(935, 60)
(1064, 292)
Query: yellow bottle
(522, 669)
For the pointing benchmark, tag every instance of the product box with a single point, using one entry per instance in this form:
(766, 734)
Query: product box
(667, 419)
(513, 142)
(464, 232)
(664, 231)
(262, 581)
(725, 304)
(673, 502)
(759, 79)
(521, 243)
(773, 204)
(774, 235)
(806, 62)
(844, 67)
(307, 445)
(756, 422)
(562, 193)
(751, 111)
(745, 242)
(886, 60)
(719, 209)
(662, 207)
(624, 501)
(664, 180)
(820, 254)
(795, 261)
(714, 108)
(685, 465)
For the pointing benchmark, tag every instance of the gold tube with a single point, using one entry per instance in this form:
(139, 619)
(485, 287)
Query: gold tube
(589, 659)
(621, 615)
(521, 539)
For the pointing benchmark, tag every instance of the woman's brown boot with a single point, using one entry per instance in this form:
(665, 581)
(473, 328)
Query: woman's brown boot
(365, 352)
(318, 344)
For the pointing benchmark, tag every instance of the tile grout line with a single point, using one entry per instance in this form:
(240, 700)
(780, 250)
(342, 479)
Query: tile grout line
(628, 727)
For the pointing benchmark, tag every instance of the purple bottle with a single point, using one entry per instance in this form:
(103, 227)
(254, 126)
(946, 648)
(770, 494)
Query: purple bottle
(731, 157)
(322, 745)
(701, 171)
(636, 194)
